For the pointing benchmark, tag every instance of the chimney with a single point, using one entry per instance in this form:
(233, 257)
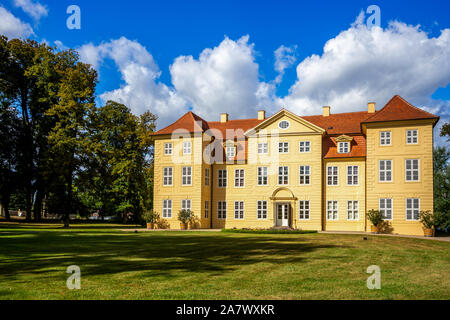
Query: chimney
(326, 111)
(223, 117)
(261, 115)
(371, 108)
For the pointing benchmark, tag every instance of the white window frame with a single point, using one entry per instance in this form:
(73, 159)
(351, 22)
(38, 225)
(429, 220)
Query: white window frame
(262, 174)
(222, 178)
(412, 136)
(352, 210)
(385, 136)
(412, 209)
(167, 208)
(168, 176)
(305, 146)
(207, 177)
(385, 171)
(186, 176)
(333, 211)
(239, 210)
(412, 170)
(206, 209)
(304, 173)
(284, 176)
(263, 148)
(334, 176)
(186, 204)
(231, 151)
(284, 121)
(239, 178)
(261, 210)
(352, 175)
(385, 208)
(283, 147)
(304, 210)
(221, 210)
(344, 147)
(168, 149)
(187, 147)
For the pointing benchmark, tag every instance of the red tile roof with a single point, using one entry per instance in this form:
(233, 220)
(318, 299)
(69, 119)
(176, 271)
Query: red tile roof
(357, 148)
(340, 123)
(190, 122)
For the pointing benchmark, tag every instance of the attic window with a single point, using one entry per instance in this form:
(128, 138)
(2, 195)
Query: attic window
(284, 124)
(343, 147)
(231, 151)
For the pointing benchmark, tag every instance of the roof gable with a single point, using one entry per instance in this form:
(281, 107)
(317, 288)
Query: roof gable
(189, 122)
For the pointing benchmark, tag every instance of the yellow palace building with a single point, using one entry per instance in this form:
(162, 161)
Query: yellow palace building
(321, 172)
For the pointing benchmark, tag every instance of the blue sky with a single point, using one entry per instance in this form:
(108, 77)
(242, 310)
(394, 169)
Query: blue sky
(155, 33)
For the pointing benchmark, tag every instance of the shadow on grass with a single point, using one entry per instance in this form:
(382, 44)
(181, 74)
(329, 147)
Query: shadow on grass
(157, 254)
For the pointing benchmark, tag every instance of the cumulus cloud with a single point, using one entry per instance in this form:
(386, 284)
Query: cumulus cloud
(284, 59)
(13, 27)
(33, 9)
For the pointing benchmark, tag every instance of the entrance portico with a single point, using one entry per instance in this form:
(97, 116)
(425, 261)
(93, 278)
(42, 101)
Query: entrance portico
(284, 205)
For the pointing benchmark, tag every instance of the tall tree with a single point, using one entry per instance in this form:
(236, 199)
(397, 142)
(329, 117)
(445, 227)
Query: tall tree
(442, 185)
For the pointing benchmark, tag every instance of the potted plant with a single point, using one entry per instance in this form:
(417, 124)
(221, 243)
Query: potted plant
(185, 216)
(428, 220)
(376, 217)
(151, 218)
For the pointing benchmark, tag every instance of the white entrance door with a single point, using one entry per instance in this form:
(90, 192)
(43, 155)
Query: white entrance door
(283, 214)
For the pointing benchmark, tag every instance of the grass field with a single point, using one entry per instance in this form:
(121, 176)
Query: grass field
(211, 265)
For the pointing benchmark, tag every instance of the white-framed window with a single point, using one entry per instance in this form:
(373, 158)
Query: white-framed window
(283, 175)
(239, 210)
(239, 178)
(343, 147)
(187, 147)
(385, 170)
(222, 209)
(262, 176)
(412, 209)
(167, 209)
(303, 209)
(222, 178)
(206, 209)
(305, 146)
(412, 170)
(262, 209)
(284, 124)
(167, 176)
(412, 137)
(186, 204)
(385, 138)
(332, 210)
(352, 175)
(207, 177)
(386, 208)
(263, 148)
(283, 147)
(168, 148)
(305, 174)
(332, 176)
(352, 210)
(231, 151)
(186, 176)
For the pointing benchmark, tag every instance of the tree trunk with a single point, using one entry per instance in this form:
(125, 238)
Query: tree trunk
(37, 210)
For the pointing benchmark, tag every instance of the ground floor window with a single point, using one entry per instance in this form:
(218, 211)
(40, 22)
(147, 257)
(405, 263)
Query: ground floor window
(239, 210)
(412, 209)
(262, 209)
(167, 208)
(386, 208)
(303, 207)
(332, 210)
(206, 209)
(222, 209)
(352, 210)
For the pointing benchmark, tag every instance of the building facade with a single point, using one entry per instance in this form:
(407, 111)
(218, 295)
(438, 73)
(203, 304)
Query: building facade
(320, 172)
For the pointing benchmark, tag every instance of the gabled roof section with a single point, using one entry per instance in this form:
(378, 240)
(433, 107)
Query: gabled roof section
(344, 138)
(357, 148)
(399, 109)
(190, 122)
(278, 115)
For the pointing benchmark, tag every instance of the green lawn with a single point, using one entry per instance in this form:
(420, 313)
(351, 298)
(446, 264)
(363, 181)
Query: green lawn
(208, 265)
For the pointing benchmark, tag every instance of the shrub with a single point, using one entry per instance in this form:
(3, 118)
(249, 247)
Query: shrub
(151, 216)
(268, 231)
(375, 216)
(428, 219)
(185, 215)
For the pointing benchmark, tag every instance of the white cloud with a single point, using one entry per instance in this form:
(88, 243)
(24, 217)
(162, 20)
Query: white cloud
(284, 59)
(13, 27)
(33, 9)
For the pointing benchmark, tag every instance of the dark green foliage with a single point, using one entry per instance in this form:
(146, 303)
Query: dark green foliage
(268, 231)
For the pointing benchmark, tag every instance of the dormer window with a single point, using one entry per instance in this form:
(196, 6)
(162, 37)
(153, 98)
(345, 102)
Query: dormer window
(344, 147)
(231, 151)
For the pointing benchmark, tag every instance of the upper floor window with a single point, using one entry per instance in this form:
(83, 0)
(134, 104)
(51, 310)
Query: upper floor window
(239, 178)
(332, 210)
(262, 209)
(305, 174)
(167, 148)
(206, 209)
(231, 151)
(207, 177)
(385, 173)
(412, 170)
(239, 210)
(332, 176)
(344, 147)
(386, 208)
(283, 147)
(263, 148)
(352, 175)
(186, 176)
(385, 138)
(412, 209)
(305, 146)
(186, 204)
(167, 176)
(262, 176)
(352, 210)
(167, 209)
(187, 147)
(222, 209)
(284, 124)
(412, 137)
(283, 175)
(222, 178)
(303, 210)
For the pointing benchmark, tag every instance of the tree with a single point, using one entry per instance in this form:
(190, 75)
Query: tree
(442, 185)
(445, 130)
